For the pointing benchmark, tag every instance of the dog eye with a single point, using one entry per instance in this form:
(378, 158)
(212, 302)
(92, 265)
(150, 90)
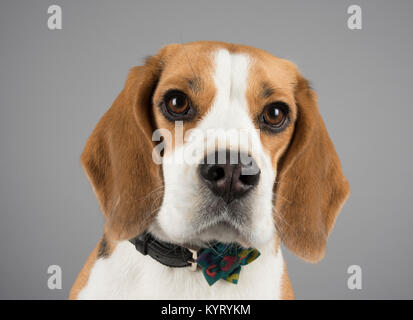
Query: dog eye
(176, 103)
(274, 116)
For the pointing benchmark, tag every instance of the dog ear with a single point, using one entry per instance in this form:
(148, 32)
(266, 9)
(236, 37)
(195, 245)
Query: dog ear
(117, 157)
(311, 187)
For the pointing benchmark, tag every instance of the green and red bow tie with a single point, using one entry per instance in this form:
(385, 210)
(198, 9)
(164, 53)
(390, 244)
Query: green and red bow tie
(224, 261)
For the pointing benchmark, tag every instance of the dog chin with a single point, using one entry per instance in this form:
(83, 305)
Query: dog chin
(218, 232)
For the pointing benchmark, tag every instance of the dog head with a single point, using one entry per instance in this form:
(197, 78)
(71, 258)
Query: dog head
(214, 141)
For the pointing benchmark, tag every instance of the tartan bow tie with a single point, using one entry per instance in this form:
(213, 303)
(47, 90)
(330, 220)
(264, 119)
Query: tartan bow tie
(224, 261)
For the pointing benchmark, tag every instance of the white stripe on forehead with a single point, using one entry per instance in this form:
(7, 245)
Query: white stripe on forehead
(230, 107)
(231, 74)
(228, 124)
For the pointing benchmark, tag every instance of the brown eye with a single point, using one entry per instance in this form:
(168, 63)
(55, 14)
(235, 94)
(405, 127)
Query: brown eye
(274, 116)
(177, 103)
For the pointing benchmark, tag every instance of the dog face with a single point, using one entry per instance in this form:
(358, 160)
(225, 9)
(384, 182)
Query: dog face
(228, 100)
(213, 141)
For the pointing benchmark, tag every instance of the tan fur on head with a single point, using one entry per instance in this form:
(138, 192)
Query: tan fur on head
(311, 187)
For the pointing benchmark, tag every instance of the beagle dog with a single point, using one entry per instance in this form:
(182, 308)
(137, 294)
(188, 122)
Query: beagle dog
(161, 209)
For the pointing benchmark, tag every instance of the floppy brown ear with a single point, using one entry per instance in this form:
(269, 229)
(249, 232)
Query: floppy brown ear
(311, 187)
(117, 157)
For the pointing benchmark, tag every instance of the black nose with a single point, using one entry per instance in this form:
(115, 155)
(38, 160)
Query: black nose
(229, 174)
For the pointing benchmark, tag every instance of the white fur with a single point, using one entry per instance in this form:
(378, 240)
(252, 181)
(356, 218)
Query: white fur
(183, 191)
(126, 274)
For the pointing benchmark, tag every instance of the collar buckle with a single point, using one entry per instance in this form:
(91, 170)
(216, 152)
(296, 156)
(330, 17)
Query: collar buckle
(194, 264)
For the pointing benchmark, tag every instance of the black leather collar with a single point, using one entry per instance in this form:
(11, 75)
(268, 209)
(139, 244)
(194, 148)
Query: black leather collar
(168, 254)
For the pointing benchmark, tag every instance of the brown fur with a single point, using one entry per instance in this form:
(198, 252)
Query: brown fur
(287, 292)
(83, 276)
(117, 158)
(311, 187)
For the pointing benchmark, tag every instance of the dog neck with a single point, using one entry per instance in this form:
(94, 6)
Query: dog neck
(127, 274)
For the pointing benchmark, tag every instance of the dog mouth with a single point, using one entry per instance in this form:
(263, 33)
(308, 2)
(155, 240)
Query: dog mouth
(206, 233)
(212, 221)
(220, 222)
(222, 232)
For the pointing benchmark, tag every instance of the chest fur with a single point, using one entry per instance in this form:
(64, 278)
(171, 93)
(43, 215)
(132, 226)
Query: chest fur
(126, 274)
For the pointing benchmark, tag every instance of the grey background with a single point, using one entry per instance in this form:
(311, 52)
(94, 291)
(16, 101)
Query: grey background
(55, 85)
